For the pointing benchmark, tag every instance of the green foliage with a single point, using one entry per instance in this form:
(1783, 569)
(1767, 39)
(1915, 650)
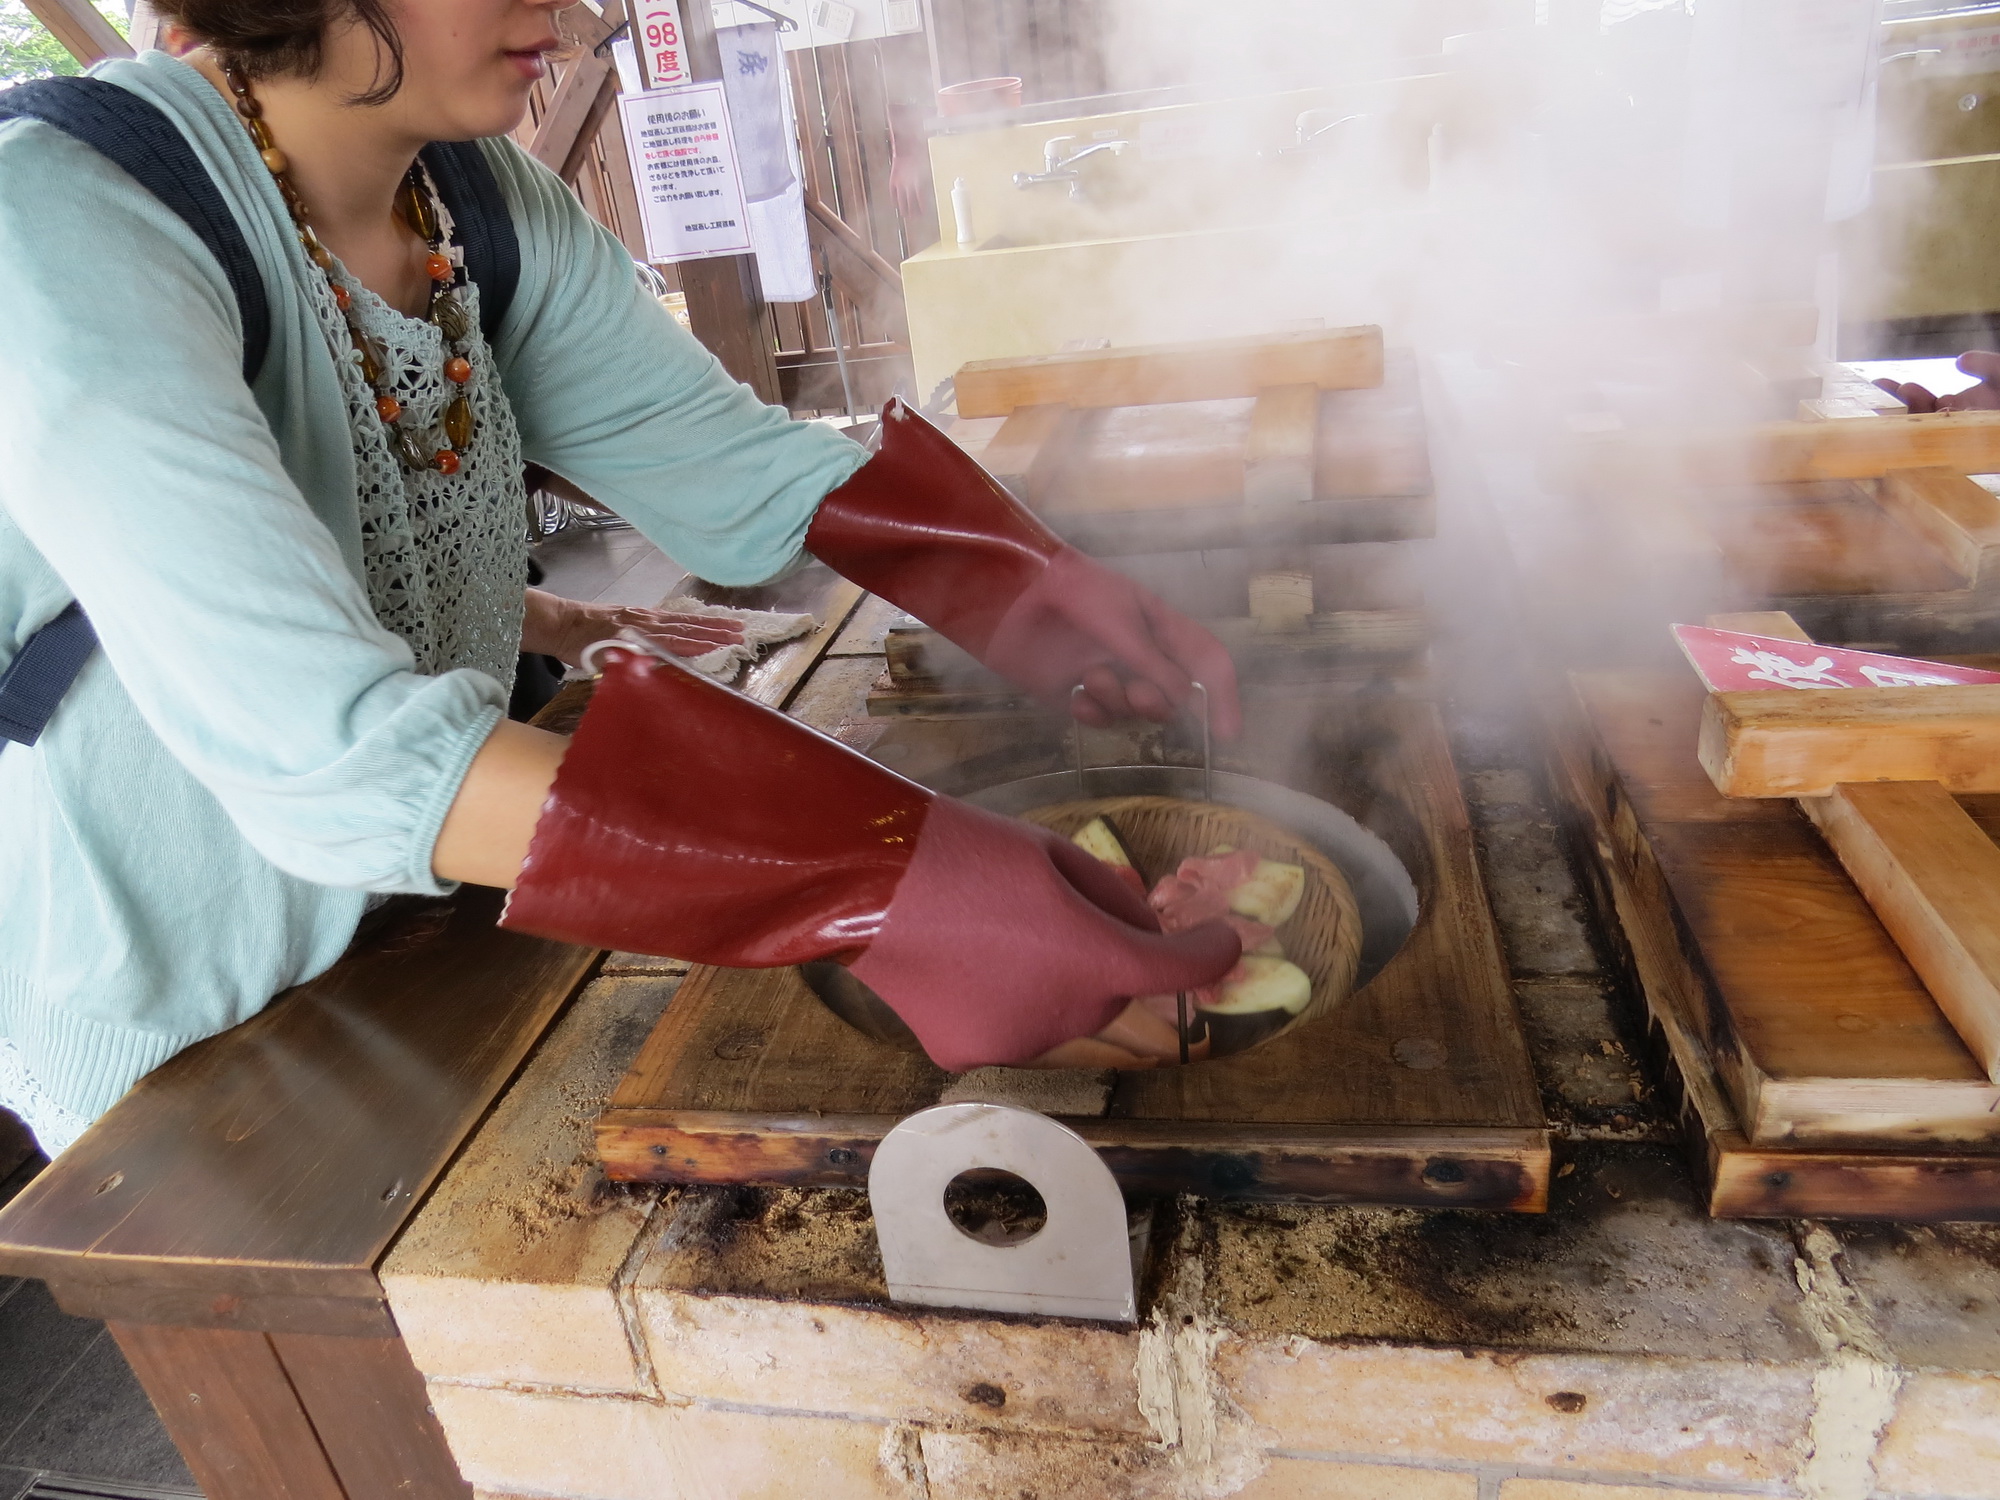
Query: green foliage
(28, 51)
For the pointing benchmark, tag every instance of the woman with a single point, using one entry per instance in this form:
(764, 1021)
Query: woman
(309, 592)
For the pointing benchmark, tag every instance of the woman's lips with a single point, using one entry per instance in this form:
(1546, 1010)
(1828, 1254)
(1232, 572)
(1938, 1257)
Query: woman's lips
(532, 62)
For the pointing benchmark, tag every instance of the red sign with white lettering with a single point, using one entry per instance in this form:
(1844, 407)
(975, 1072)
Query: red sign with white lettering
(1732, 662)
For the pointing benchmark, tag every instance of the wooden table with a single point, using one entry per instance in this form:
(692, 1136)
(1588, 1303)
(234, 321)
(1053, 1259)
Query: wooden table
(227, 1217)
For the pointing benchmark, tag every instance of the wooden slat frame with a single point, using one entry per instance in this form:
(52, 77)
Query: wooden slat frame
(1211, 370)
(1739, 1178)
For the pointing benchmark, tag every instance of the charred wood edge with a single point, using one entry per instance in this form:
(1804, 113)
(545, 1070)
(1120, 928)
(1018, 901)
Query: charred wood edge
(1440, 1167)
(1739, 1180)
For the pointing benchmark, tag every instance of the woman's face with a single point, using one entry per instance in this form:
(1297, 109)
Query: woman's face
(467, 64)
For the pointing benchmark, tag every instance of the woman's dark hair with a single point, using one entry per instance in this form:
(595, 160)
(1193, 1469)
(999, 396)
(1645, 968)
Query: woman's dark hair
(273, 38)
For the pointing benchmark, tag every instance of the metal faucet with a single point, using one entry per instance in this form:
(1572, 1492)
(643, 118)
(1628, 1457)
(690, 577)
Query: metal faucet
(1311, 126)
(1059, 163)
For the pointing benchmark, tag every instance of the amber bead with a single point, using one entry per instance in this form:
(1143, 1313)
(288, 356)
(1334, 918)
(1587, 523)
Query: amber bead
(445, 461)
(371, 368)
(416, 210)
(321, 256)
(450, 316)
(437, 266)
(458, 423)
(342, 298)
(274, 159)
(388, 408)
(458, 369)
(411, 452)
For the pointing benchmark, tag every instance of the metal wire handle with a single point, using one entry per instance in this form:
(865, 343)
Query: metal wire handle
(1207, 752)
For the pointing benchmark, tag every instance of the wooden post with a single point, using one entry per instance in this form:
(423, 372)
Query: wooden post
(725, 300)
(77, 25)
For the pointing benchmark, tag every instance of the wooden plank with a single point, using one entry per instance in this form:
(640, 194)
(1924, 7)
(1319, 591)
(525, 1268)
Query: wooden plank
(747, 1072)
(1281, 601)
(1740, 1179)
(1280, 456)
(1804, 1007)
(372, 1416)
(578, 103)
(1433, 1168)
(1030, 448)
(1933, 877)
(1930, 872)
(927, 698)
(624, 191)
(1832, 540)
(1956, 515)
(281, 1157)
(77, 24)
(230, 1409)
(1789, 743)
(1329, 359)
(1774, 623)
(1906, 1187)
(1788, 452)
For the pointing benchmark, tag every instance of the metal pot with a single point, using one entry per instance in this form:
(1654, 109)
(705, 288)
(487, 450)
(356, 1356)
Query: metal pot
(1383, 891)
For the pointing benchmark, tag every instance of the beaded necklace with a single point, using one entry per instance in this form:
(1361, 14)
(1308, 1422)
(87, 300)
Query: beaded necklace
(445, 309)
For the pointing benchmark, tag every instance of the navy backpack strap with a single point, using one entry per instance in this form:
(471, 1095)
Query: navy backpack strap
(149, 146)
(37, 678)
(136, 136)
(483, 227)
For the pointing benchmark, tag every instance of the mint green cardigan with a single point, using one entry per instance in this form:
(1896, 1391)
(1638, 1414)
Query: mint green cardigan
(250, 753)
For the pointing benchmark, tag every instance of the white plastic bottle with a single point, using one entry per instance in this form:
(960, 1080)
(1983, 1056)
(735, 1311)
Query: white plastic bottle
(961, 210)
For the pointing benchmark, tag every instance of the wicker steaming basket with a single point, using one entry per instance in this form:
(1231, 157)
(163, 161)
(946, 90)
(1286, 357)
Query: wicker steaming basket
(1323, 936)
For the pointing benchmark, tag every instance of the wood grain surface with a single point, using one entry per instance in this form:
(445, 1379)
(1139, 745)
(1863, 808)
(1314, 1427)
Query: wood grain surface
(1956, 515)
(1281, 448)
(1787, 743)
(1331, 359)
(1790, 452)
(225, 1400)
(1803, 1006)
(1864, 1176)
(279, 1158)
(749, 1078)
(1932, 876)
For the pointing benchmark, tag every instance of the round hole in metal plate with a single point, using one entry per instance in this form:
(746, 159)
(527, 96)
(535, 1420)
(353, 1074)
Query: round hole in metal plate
(995, 1207)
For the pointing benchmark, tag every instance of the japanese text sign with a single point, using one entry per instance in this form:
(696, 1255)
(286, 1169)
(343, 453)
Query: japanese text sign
(663, 40)
(684, 166)
(1732, 662)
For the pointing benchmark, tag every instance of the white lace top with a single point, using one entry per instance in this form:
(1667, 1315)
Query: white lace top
(446, 556)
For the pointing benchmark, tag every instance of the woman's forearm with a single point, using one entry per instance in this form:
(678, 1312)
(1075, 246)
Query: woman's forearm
(550, 625)
(487, 831)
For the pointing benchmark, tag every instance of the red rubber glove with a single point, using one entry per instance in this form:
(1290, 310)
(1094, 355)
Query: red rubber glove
(926, 528)
(690, 821)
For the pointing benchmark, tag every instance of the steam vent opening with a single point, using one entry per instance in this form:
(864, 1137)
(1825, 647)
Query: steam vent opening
(1320, 904)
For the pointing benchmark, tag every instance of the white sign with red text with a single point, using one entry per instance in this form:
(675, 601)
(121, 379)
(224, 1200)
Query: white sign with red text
(684, 166)
(662, 39)
(1731, 662)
